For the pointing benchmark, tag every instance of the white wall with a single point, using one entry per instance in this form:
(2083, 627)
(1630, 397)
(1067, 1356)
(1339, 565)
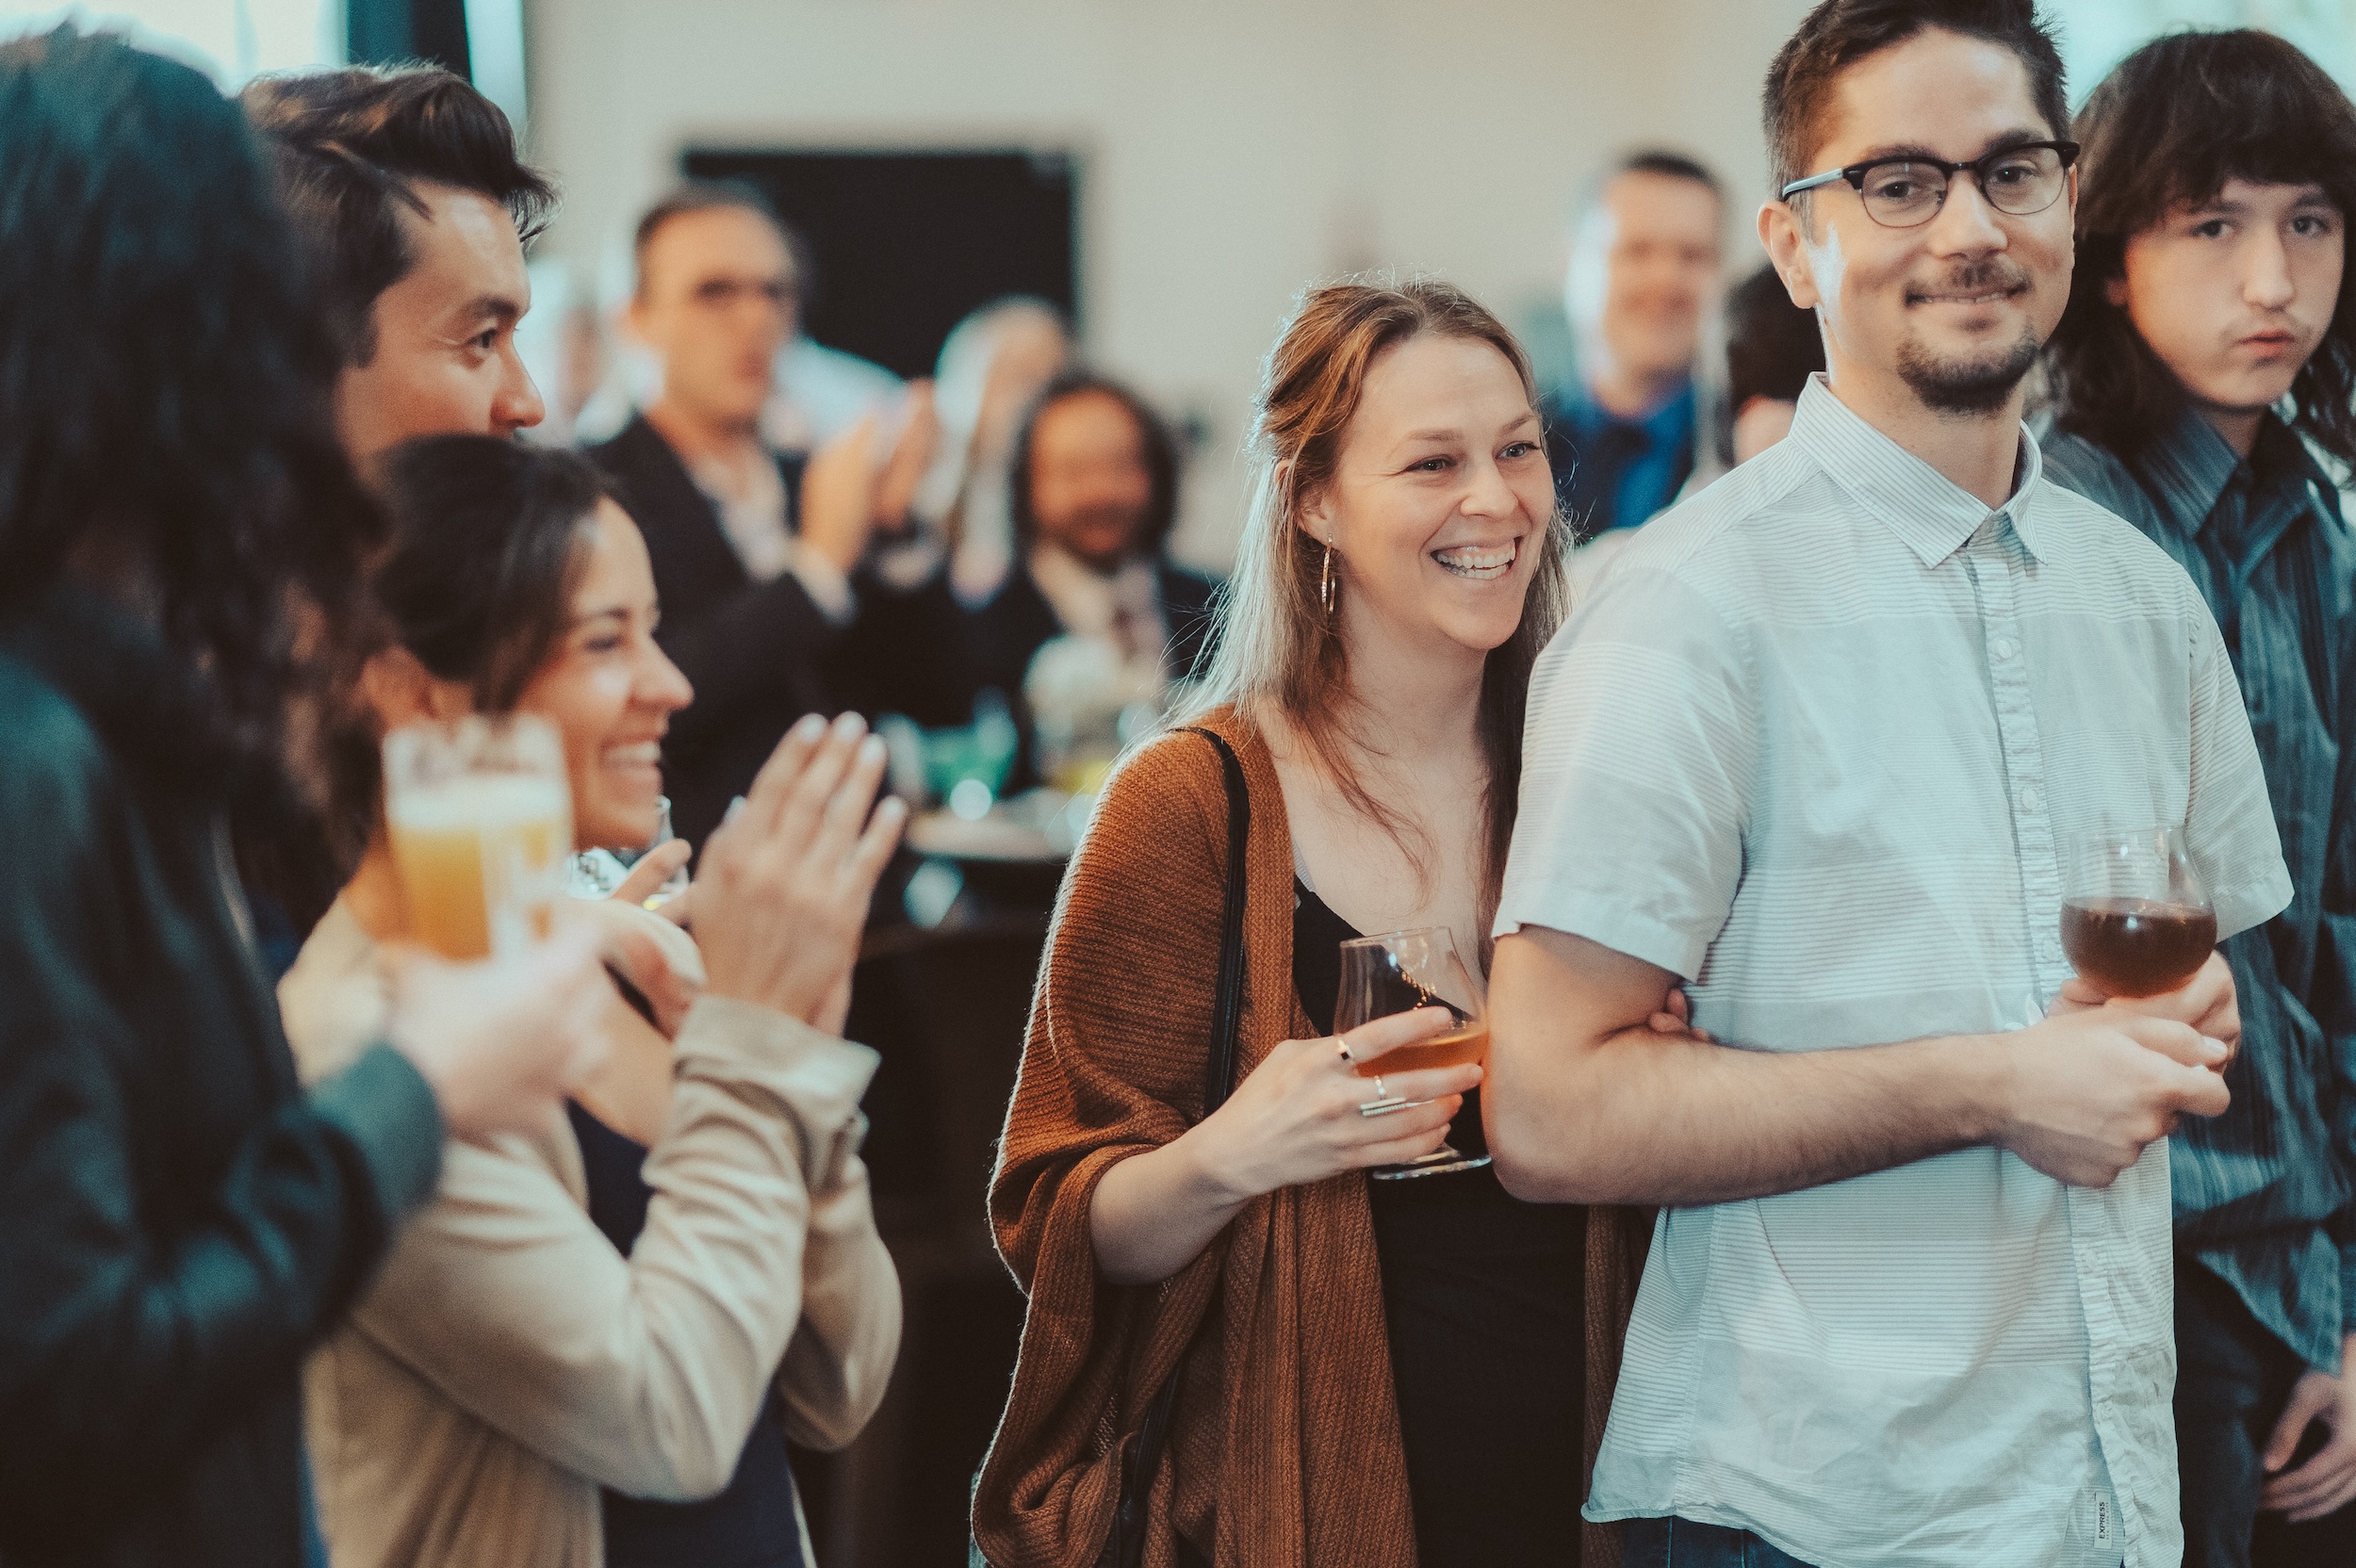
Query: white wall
(1232, 150)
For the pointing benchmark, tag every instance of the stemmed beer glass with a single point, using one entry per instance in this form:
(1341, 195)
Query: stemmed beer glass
(1396, 973)
(2135, 919)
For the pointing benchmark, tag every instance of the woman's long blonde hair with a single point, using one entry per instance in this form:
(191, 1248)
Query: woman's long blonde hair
(1278, 648)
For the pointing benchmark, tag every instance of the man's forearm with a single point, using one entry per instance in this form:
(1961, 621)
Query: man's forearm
(1644, 1118)
(1588, 1105)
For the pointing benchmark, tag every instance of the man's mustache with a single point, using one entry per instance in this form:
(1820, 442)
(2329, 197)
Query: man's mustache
(1988, 276)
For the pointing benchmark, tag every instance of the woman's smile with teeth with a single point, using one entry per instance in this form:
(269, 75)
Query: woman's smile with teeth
(1474, 561)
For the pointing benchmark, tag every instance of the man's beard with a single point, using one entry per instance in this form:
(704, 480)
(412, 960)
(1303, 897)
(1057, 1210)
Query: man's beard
(1975, 385)
(1979, 385)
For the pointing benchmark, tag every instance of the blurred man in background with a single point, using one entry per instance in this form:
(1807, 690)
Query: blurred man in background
(1094, 493)
(2212, 293)
(1644, 275)
(754, 554)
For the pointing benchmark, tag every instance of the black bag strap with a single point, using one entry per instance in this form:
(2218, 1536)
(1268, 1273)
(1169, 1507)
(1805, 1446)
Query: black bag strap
(1125, 1549)
(1219, 1068)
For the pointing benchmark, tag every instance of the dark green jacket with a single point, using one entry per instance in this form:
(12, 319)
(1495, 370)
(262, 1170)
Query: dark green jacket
(178, 1220)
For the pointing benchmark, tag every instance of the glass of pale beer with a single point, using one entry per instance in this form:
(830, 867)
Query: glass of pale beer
(480, 822)
(1396, 973)
(2135, 919)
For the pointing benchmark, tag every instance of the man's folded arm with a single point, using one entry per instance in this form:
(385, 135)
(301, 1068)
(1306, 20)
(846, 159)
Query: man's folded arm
(1587, 1104)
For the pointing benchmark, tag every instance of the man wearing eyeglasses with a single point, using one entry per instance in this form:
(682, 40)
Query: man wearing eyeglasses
(1815, 749)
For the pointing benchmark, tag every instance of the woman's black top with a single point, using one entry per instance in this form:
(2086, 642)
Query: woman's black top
(755, 1523)
(1484, 1298)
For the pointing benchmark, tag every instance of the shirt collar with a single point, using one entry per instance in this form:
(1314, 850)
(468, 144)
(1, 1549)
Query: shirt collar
(2190, 464)
(1928, 512)
(1087, 600)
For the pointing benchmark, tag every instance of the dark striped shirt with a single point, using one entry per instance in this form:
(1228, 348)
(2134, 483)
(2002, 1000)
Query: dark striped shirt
(2263, 1192)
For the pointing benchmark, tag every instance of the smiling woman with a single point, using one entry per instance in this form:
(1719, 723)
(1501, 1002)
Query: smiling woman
(1406, 1376)
(559, 1325)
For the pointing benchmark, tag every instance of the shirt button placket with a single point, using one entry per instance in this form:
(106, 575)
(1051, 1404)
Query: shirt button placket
(1993, 558)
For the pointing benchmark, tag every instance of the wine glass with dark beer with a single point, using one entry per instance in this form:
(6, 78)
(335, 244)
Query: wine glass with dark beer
(2135, 919)
(1397, 972)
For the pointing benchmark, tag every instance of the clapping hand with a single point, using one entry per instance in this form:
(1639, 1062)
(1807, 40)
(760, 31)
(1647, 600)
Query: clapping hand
(785, 883)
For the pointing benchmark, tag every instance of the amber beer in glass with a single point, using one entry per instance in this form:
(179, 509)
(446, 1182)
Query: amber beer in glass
(2135, 919)
(481, 823)
(1397, 972)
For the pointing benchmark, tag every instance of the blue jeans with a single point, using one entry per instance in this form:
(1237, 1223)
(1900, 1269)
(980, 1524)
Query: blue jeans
(1682, 1544)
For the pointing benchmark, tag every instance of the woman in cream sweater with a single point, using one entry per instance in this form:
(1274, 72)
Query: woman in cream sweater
(592, 1347)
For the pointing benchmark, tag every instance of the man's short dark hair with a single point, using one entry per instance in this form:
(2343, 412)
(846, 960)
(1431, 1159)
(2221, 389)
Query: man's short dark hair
(1153, 438)
(349, 145)
(2178, 119)
(719, 196)
(1838, 33)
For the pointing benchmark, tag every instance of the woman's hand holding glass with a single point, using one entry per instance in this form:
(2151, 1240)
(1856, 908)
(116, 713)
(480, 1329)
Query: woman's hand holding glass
(1297, 1117)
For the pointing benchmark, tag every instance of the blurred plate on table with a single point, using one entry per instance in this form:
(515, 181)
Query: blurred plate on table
(1037, 828)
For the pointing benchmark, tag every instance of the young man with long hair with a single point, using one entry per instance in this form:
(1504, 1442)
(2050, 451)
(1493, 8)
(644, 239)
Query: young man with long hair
(2207, 359)
(1816, 745)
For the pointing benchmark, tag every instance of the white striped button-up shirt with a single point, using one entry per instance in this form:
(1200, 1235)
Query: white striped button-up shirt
(1813, 745)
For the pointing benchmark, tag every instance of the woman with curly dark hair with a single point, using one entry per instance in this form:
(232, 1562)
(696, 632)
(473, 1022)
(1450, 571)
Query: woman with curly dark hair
(179, 1220)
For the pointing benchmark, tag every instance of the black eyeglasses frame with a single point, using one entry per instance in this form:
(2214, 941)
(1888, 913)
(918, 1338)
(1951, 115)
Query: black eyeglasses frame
(1855, 175)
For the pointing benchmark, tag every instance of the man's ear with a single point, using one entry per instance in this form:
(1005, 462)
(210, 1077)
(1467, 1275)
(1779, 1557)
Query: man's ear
(1782, 230)
(2115, 290)
(399, 691)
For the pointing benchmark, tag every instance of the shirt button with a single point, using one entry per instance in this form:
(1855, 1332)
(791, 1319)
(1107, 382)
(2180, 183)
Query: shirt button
(2003, 648)
(2030, 799)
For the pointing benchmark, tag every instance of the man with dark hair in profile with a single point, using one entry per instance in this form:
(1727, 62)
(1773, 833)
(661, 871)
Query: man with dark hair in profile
(1643, 277)
(755, 554)
(1816, 747)
(406, 189)
(2213, 289)
(412, 207)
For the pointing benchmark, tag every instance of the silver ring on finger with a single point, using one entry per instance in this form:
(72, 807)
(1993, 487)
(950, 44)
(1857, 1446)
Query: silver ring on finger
(1383, 1104)
(1342, 1046)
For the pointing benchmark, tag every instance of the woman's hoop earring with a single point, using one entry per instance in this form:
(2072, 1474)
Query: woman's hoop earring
(1325, 583)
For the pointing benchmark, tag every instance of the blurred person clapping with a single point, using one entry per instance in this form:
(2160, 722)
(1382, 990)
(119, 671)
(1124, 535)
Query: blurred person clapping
(184, 1221)
(594, 1345)
(992, 368)
(1094, 492)
(756, 554)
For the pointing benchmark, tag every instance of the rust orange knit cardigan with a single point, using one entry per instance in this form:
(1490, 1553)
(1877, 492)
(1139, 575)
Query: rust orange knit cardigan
(1286, 1448)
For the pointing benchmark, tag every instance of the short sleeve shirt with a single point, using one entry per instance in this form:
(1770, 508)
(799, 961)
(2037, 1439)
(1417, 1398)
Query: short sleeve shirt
(1814, 744)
